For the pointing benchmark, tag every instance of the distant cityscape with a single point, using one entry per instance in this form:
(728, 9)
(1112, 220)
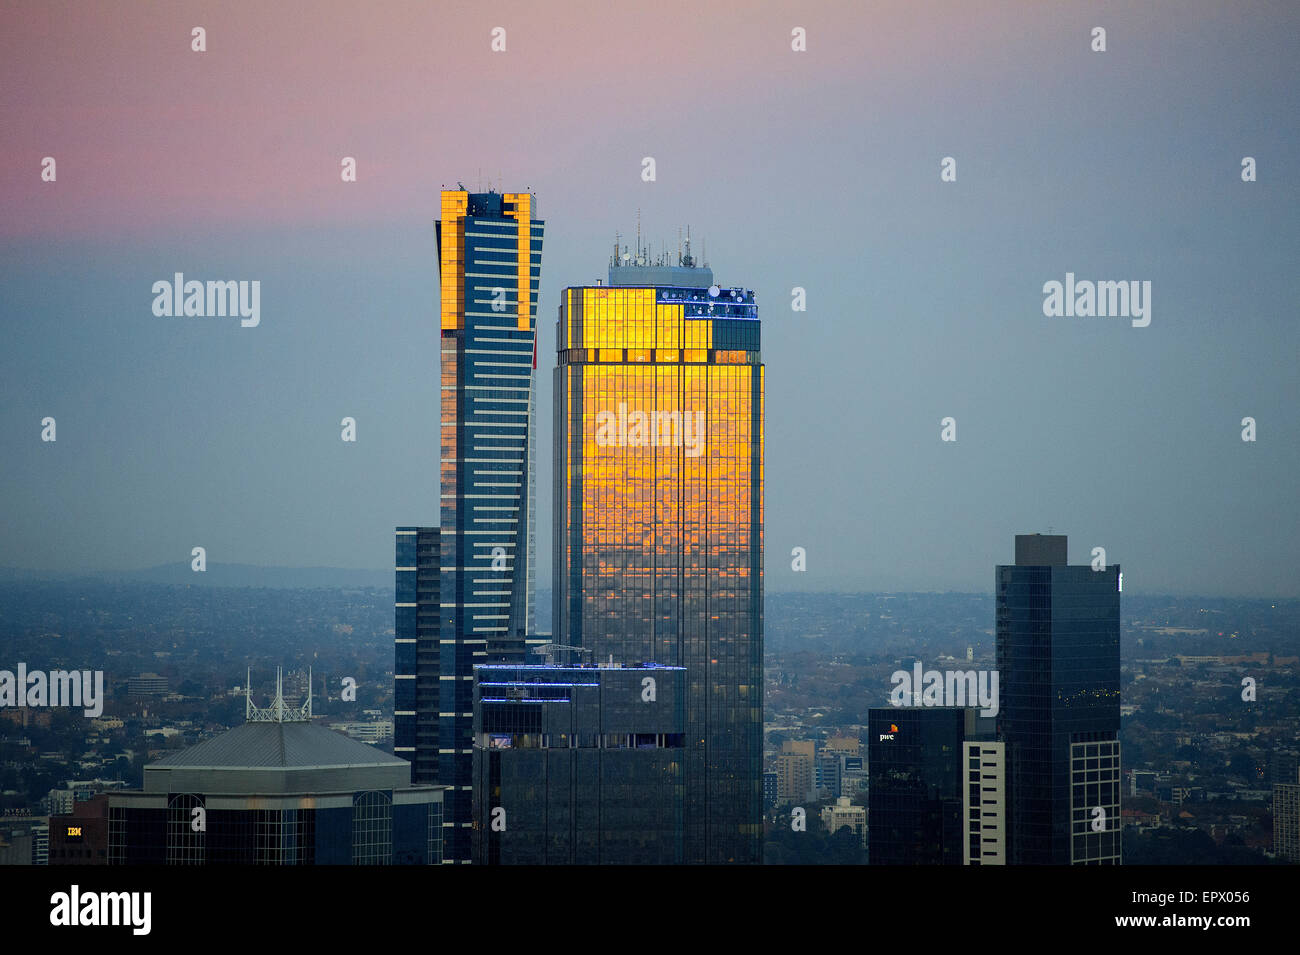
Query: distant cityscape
(1200, 766)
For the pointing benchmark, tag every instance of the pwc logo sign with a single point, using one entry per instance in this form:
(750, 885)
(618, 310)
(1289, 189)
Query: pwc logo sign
(890, 735)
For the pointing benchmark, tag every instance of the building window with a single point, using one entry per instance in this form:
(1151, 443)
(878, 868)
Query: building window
(185, 846)
(372, 829)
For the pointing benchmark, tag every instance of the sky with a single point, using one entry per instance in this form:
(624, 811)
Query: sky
(817, 169)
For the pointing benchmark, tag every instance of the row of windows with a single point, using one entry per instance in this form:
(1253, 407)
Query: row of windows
(718, 356)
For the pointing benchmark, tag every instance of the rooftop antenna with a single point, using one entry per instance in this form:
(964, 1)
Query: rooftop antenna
(638, 235)
(687, 261)
(277, 712)
(617, 238)
(679, 245)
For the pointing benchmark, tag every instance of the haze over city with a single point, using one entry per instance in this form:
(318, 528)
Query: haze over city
(819, 171)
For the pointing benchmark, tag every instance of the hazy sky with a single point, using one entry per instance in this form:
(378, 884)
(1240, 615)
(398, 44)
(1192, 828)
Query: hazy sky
(818, 169)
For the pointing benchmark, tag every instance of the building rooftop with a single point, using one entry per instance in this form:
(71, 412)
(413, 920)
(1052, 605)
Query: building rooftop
(279, 745)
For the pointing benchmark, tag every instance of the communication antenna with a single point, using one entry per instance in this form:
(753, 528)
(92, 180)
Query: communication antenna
(278, 711)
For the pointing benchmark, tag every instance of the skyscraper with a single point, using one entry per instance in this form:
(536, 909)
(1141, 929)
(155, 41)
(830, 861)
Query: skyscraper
(916, 776)
(1286, 821)
(658, 546)
(578, 765)
(489, 252)
(416, 669)
(1058, 662)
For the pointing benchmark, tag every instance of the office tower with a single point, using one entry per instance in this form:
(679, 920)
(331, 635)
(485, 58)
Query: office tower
(578, 765)
(845, 745)
(1281, 766)
(1058, 662)
(145, 686)
(416, 668)
(984, 801)
(80, 837)
(277, 791)
(658, 545)
(1286, 820)
(489, 252)
(853, 774)
(915, 782)
(25, 840)
(794, 773)
(826, 773)
(806, 746)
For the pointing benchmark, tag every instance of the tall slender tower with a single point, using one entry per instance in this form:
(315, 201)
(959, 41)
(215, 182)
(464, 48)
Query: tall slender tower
(658, 544)
(489, 252)
(1058, 664)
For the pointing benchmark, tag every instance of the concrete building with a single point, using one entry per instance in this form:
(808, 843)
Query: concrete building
(794, 773)
(146, 685)
(984, 803)
(80, 837)
(844, 813)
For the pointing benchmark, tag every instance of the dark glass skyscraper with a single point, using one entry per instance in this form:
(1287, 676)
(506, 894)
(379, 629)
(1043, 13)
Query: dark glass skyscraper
(659, 515)
(489, 252)
(578, 765)
(916, 773)
(1058, 661)
(416, 667)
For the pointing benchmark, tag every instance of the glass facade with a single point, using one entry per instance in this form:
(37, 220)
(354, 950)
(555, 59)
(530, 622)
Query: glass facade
(658, 545)
(416, 667)
(579, 765)
(915, 762)
(1058, 663)
(363, 828)
(489, 249)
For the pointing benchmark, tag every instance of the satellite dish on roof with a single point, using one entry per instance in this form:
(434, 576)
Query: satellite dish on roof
(714, 291)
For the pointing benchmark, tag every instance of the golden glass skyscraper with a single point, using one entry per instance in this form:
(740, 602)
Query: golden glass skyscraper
(658, 546)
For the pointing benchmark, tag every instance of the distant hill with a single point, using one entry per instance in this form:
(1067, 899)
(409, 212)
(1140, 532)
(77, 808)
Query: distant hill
(224, 575)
